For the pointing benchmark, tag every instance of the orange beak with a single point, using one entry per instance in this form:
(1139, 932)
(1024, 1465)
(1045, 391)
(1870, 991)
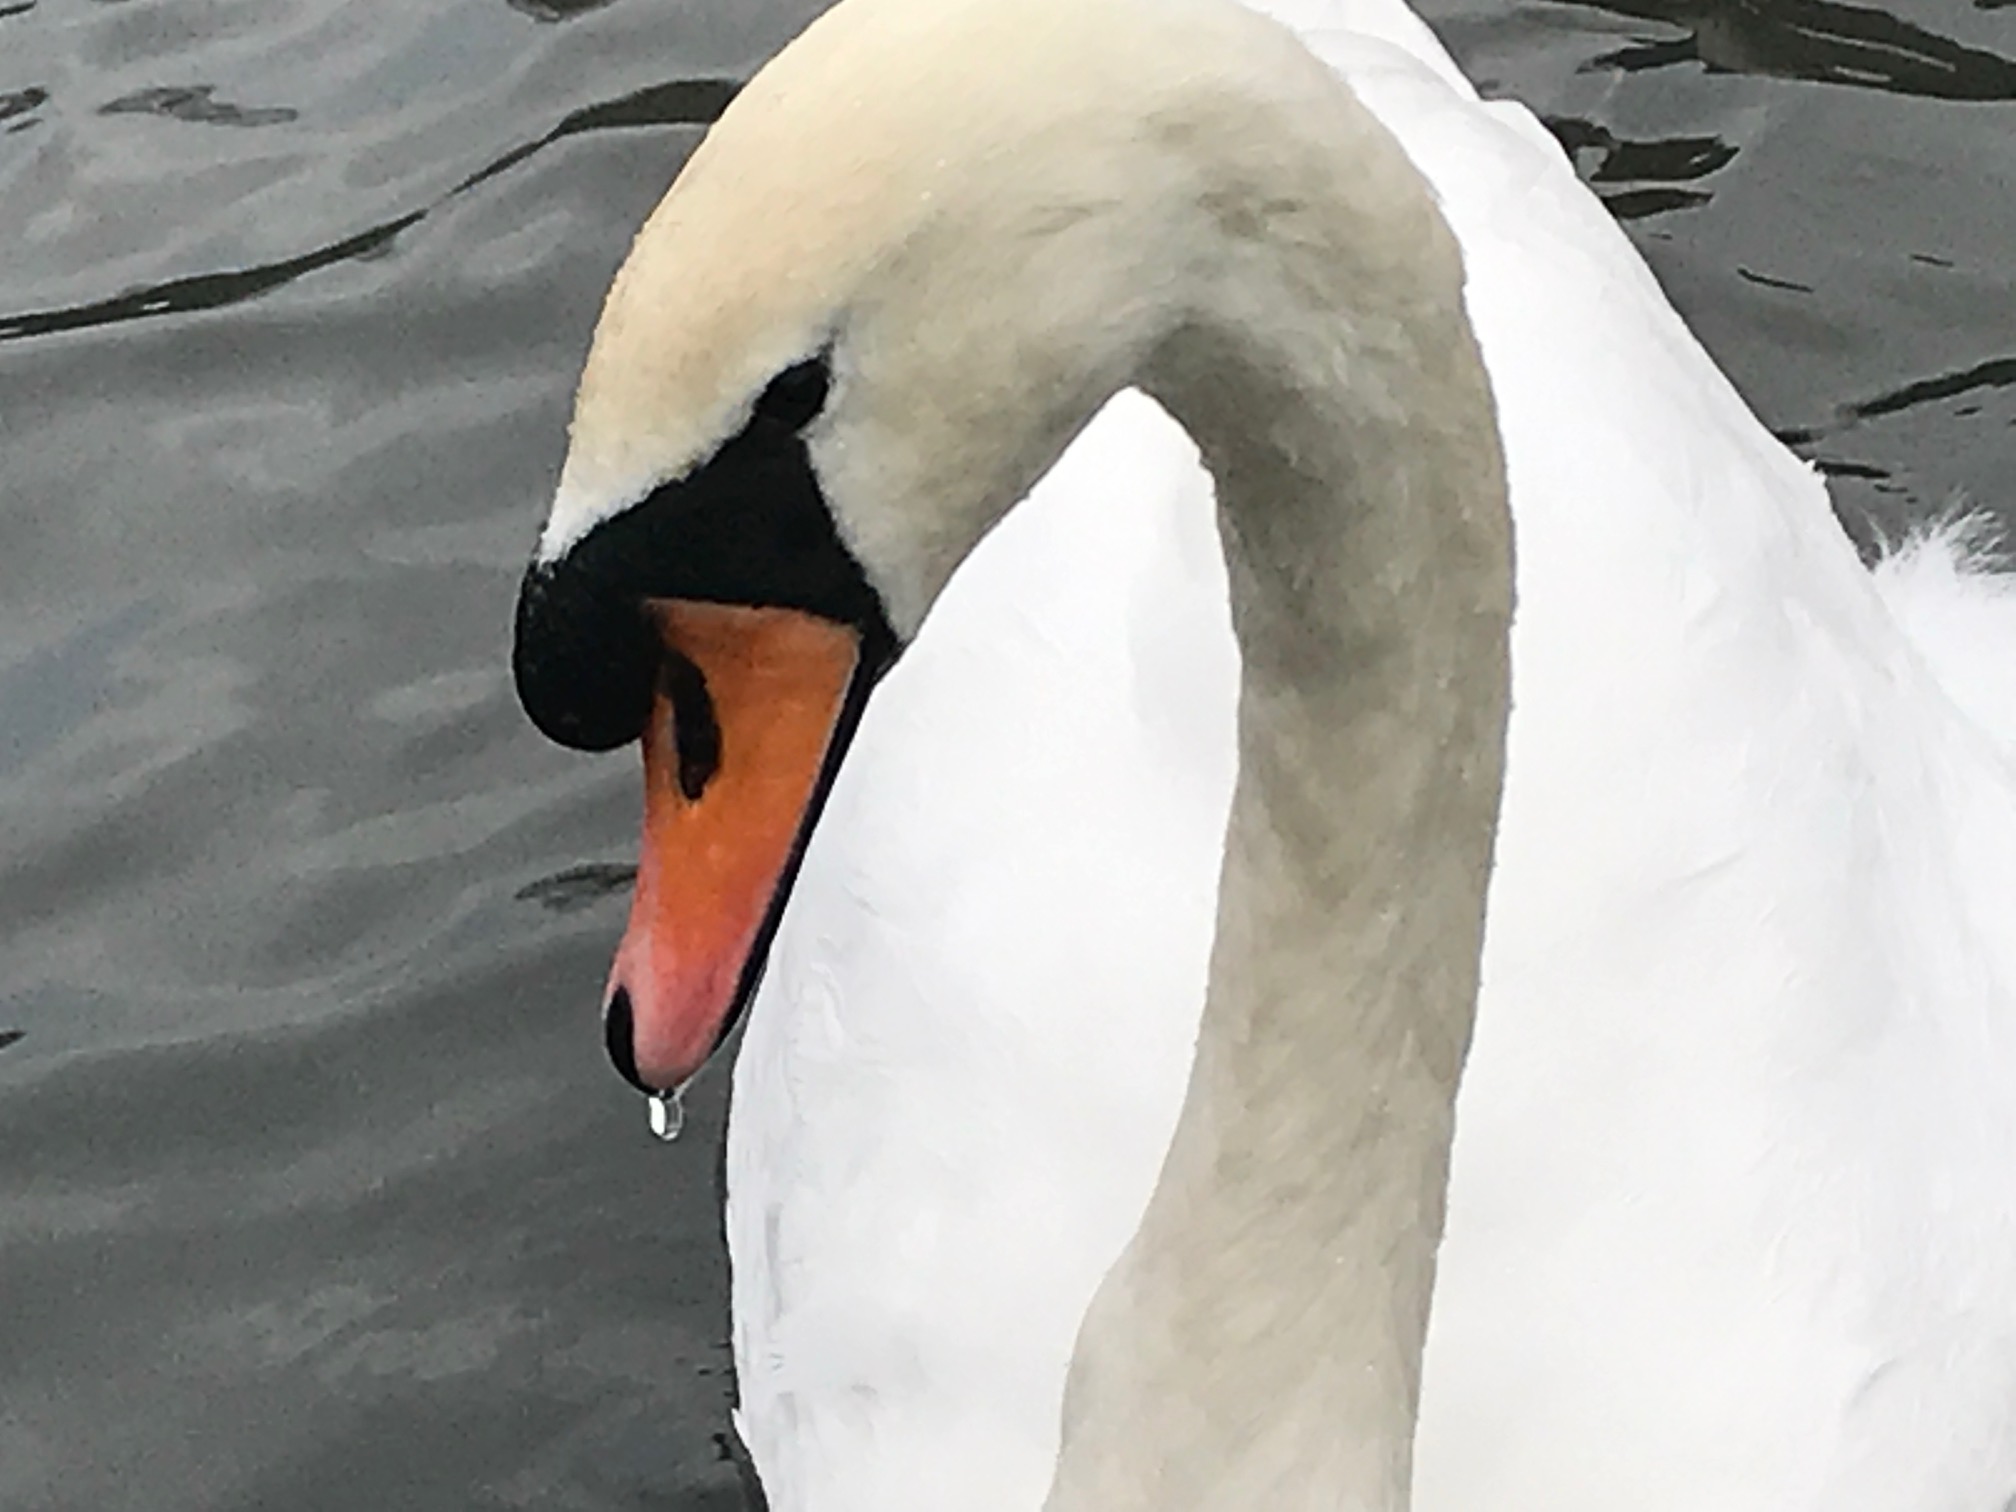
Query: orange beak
(752, 709)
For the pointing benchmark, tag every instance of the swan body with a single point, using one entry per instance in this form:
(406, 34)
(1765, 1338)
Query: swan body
(1731, 1217)
(1727, 1214)
(836, 356)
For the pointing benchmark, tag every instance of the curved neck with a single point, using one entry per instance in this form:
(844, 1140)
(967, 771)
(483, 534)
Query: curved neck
(1259, 1342)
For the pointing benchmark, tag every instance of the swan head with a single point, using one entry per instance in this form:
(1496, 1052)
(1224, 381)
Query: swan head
(910, 262)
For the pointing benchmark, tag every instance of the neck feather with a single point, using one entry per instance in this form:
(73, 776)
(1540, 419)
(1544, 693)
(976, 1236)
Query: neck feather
(1259, 1343)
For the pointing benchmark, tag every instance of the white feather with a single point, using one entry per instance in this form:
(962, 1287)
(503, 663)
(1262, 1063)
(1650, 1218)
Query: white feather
(1732, 1218)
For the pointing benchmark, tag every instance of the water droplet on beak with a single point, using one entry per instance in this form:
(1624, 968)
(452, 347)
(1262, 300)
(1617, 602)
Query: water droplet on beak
(668, 1115)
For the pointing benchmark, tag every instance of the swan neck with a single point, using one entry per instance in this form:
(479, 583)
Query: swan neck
(1259, 1342)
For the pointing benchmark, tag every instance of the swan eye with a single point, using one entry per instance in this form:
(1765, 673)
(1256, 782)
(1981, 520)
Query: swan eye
(796, 395)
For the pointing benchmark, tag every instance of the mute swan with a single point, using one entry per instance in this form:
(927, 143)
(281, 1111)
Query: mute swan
(1729, 1216)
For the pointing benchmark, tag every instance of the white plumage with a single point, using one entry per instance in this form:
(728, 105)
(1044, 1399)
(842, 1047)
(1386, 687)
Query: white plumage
(1733, 1217)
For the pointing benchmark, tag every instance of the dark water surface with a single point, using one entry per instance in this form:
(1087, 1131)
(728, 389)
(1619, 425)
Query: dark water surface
(314, 1189)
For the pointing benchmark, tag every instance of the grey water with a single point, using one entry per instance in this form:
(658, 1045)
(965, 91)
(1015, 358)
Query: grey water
(315, 1191)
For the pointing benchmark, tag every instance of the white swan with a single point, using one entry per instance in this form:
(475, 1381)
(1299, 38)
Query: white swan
(1730, 1218)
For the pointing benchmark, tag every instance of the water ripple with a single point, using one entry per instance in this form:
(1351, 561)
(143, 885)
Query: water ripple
(557, 10)
(20, 102)
(1996, 373)
(1993, 373)
(578, 886)
(679, 102)
(198, 105)
(203, 291)
(1818, 41)
(1766, 281)
(1653, 169)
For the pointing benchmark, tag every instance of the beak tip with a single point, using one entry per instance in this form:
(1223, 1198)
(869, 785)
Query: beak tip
(619, 1033)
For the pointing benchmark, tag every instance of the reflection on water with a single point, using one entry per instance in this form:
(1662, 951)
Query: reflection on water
(314, 1189)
